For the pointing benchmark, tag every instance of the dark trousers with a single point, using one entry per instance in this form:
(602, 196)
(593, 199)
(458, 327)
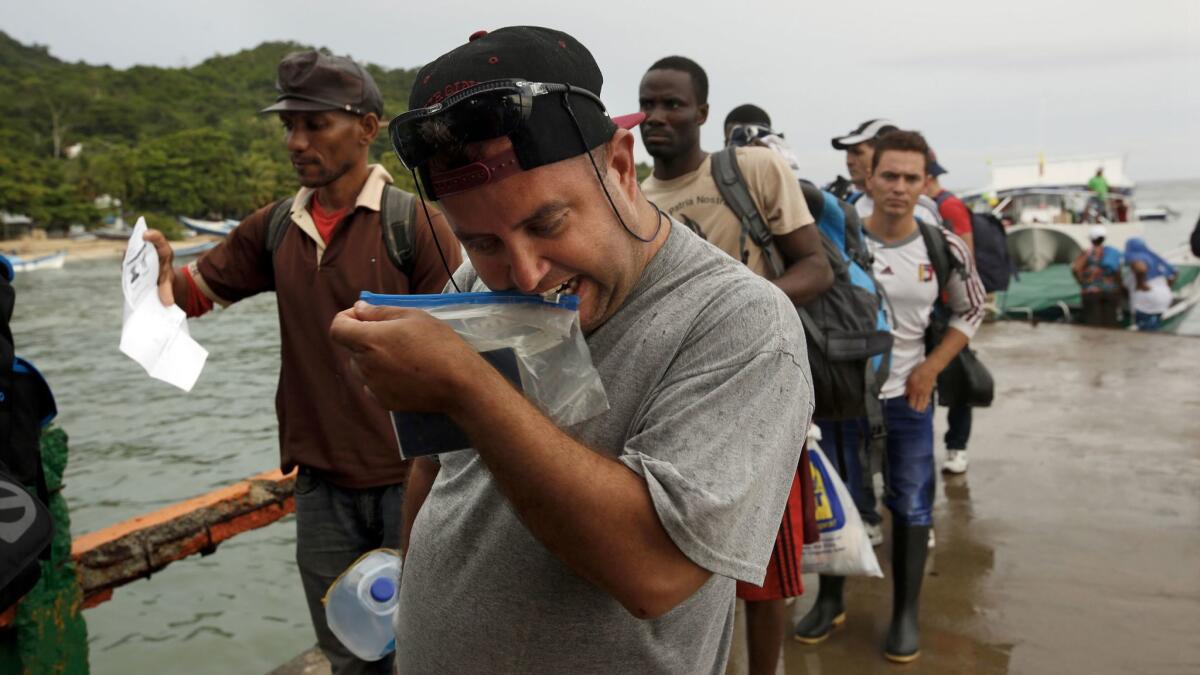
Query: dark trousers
(958, 428)
(1100, 308)
(908, 470)
(840, 441)
(334, 527)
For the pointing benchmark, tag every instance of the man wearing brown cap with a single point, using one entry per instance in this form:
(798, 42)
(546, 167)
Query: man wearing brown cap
(345, 231)
(613, 545)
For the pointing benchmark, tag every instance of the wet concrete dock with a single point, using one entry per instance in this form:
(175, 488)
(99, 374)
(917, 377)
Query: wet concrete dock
(1072, 545)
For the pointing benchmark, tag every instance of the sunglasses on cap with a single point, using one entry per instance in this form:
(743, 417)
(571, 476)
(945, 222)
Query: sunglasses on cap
(481, 112)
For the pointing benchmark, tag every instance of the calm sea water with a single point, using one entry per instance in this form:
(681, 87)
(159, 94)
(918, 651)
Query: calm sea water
(138, 444)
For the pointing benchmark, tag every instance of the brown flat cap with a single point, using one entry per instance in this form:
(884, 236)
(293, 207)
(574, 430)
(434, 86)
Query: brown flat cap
(311, 80)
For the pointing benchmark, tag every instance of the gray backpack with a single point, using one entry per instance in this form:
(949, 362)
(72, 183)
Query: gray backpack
(397, 215)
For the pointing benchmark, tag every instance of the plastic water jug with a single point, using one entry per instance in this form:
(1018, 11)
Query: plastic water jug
(360, 605)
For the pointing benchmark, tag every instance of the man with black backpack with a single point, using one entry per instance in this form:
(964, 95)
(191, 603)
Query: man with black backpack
(347, 230)
(746, 202)
(847, 328)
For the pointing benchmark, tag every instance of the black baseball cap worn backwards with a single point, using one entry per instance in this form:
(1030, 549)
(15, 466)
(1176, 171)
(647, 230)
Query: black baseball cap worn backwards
(312, 81)
(537, 86)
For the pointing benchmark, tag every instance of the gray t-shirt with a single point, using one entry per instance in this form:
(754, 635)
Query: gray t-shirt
(707, 378)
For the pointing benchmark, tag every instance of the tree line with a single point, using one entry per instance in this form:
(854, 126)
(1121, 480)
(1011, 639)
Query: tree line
(166, 142)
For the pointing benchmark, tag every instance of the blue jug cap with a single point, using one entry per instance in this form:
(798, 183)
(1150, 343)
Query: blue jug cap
(382, 589)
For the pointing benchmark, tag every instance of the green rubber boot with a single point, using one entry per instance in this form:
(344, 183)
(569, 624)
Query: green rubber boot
(827, 614)
(910, 547)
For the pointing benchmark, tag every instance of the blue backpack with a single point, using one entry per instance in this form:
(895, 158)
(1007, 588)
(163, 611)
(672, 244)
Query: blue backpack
(847, 327)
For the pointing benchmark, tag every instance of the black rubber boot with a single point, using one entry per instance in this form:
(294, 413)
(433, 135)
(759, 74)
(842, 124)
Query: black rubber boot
(825, 615)
(910, 547)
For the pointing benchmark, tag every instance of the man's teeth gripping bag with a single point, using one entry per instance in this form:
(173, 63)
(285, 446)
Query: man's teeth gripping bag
(535, 341)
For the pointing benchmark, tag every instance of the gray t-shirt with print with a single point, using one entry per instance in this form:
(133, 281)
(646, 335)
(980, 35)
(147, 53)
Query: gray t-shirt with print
(710, 398)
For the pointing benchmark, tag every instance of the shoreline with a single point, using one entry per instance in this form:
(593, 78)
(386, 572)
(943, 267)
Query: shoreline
(93, 249)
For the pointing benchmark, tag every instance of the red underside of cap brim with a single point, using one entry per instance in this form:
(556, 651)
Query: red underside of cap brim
(629, 121)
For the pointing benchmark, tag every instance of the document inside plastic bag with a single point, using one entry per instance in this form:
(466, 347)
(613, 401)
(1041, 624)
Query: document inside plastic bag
(535, 342)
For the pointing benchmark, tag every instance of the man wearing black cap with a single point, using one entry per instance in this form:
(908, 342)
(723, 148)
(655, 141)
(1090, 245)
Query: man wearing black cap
(611, 546)
(317, 251)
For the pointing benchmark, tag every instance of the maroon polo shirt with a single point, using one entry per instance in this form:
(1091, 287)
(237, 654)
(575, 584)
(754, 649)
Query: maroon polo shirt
(327, 422)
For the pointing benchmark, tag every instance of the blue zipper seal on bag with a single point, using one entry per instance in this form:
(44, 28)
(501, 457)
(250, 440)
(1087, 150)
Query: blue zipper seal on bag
(568, 302)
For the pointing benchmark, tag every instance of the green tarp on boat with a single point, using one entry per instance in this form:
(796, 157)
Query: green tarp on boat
(1042, 294)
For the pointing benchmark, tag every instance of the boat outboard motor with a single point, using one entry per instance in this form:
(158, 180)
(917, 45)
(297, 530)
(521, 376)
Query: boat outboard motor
(26, 406)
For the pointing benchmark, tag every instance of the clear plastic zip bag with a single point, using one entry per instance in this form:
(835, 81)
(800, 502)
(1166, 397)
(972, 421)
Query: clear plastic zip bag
(534, 340)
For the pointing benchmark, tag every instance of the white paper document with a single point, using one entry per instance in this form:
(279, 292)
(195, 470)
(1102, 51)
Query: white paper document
(153, 335)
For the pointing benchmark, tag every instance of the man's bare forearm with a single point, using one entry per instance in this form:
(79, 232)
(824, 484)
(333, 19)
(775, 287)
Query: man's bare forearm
(952, 343)
(421, 475)
(808, 273)
(179, 286)
(803, 281)
(591, 511)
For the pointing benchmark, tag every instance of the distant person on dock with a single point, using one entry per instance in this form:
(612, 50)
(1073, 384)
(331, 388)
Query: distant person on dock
(953, 211)
(674, 96)
(957, 216)
(1098, 184)
(612, 546)
(1148, 282)
(906, 261)
(317, 251)
(1098, 271)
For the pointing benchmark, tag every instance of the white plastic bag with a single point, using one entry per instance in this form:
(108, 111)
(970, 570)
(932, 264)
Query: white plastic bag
(845, 549)
(552, 364)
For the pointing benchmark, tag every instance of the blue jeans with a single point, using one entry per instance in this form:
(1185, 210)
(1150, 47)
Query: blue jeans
(908, 470)
(1146, 321)
(335, 526)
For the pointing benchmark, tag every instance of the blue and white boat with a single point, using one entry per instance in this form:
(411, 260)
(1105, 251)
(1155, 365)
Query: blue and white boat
(219, 228)
(50, 261)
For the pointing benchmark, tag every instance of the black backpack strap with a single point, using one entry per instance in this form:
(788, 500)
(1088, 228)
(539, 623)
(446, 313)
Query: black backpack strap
(397, 217)
(939, 254)
(732, 186)
(944, 264)
(277, 223)
(815, 199)
(874, 450)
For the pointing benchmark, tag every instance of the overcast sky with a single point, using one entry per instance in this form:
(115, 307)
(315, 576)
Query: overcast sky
(997, 80)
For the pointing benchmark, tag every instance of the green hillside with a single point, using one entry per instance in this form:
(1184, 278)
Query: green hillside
(177, 141)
